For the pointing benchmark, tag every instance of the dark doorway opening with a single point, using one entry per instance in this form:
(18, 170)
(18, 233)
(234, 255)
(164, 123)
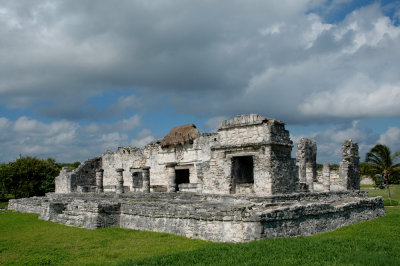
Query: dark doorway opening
(137, 179)
(242, 169)
(182, 176)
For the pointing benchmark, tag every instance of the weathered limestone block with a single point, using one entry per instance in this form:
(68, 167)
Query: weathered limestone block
(306, 153)
(310, 176)
(124, 157)
(171, 177)
(63, 182)
(99, 181)
(281, 169)
(226, 218)
(146, 179)
(120, 181)
(349, 171)
(27, 205)
(326, 177)
(83, 177)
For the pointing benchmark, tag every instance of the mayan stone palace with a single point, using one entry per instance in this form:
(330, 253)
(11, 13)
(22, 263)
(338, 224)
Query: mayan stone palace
(238, 184)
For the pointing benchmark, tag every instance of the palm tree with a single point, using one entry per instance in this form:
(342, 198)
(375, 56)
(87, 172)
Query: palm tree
(382, 162)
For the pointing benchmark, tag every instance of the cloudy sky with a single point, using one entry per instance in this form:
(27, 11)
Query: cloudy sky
(80, 77)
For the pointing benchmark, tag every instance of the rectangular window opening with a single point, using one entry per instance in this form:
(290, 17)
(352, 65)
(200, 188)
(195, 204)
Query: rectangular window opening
(137, 179)
(182, 176)
(243, 169)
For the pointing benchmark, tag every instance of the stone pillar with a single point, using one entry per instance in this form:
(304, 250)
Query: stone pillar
(120, 181)
(63, 182)
(310, 176)
(306, 153)
(326, 176)
(146, 179)
(171, 177)
(99, 181)
(349, 171)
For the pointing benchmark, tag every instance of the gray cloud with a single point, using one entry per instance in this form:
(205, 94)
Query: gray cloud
(58, 49)
(67, 141)
(329, 140)
(209, 59)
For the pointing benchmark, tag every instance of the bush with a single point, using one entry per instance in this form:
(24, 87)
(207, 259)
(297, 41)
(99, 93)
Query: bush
(27, 177)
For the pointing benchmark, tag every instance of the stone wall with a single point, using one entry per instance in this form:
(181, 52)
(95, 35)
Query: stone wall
(243, 129)
(188, 156)
(124, 158)
(214, 161)
(223, 218)
(81, 179)
(281, 170)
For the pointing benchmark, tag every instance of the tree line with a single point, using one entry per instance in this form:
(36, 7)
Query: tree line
(29, 176)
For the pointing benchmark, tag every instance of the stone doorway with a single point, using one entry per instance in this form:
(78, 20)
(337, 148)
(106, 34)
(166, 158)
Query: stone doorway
(181, 177)
(137, 181)
(242, 172)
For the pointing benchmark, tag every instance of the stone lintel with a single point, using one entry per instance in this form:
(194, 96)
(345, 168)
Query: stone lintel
(119, 169)
(256, 145)
(135, 170)
(246, 121)
(241, 154)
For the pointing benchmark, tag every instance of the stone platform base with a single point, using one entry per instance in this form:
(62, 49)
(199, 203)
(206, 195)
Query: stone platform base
(223, 218)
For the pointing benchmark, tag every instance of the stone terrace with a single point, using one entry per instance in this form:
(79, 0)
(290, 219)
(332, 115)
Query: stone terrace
(224, 218)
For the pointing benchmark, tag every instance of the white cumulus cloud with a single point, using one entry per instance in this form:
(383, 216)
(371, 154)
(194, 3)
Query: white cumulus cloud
(66, 141)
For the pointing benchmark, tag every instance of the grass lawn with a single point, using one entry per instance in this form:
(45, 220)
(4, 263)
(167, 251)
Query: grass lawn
(394, 192)
(26, 240)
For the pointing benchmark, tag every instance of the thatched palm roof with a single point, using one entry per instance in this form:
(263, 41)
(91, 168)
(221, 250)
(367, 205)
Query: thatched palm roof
(181, 135)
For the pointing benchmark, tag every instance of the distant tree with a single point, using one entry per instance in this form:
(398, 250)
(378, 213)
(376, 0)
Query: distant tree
(364, 168)
(27, 177)
(334, 167)
(71, 166)
(381, 162)
(3, 174)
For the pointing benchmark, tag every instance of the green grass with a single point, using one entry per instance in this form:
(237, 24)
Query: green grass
(362, 186)
(394, 192)
(25, 240)
(391, 203)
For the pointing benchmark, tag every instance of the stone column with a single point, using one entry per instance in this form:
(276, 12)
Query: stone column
(146, 179)
(349, 171)
(120, 181)
(171, 177)
(326, 177)
(99, 181)
(310, 176)
(306, 153)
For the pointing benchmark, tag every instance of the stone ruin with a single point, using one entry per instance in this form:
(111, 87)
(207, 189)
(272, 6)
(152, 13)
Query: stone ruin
(238, 184)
